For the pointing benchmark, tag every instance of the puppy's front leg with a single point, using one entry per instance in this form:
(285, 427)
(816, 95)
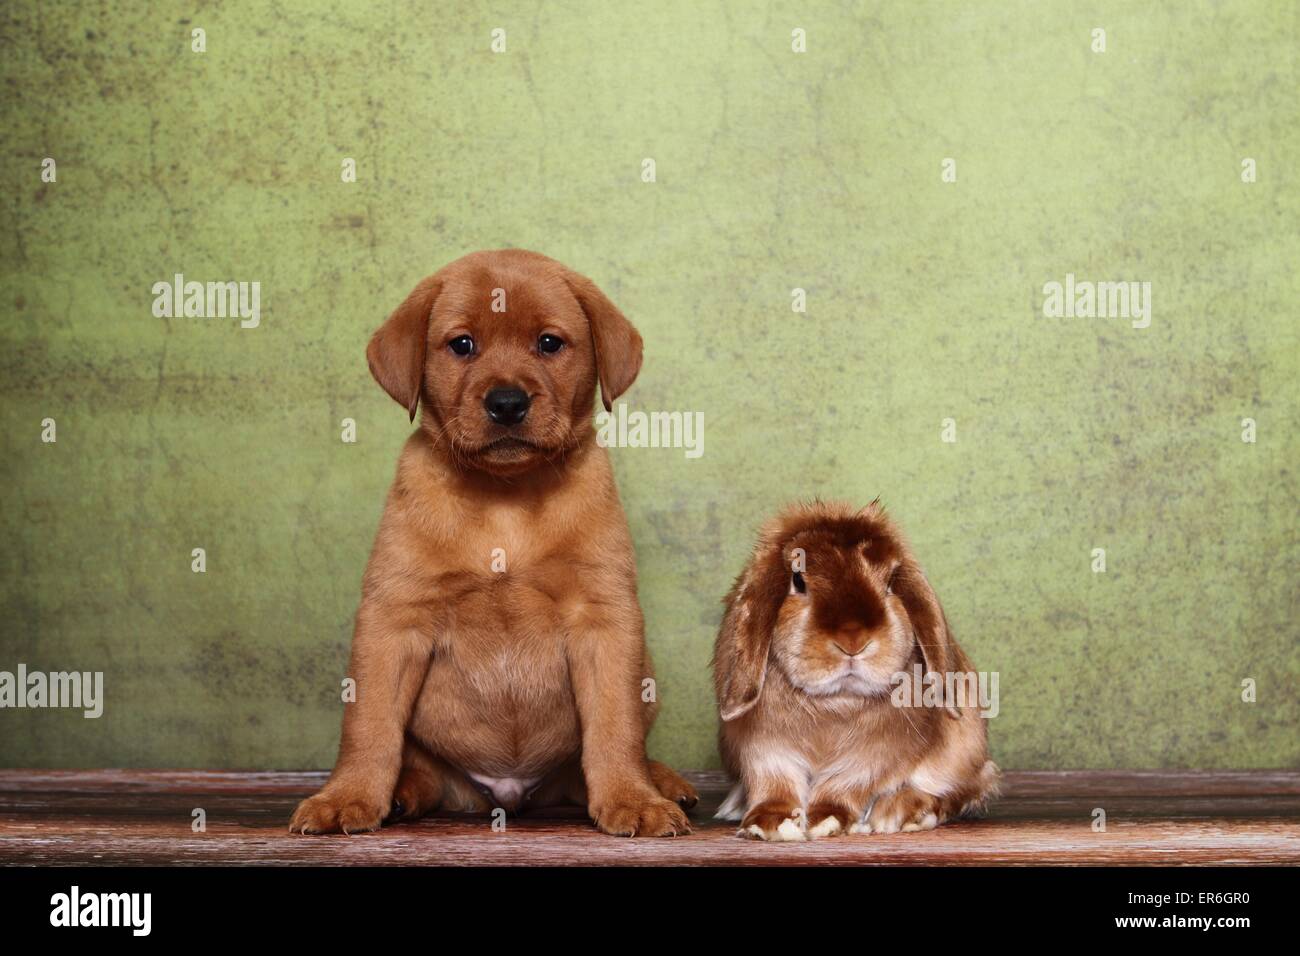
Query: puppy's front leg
(389, 661)
(605, 663)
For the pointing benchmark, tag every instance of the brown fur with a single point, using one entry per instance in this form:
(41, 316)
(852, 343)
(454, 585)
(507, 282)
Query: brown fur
(465, 672)
(818, 751)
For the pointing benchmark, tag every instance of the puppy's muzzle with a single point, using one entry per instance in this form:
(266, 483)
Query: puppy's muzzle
(507, 406)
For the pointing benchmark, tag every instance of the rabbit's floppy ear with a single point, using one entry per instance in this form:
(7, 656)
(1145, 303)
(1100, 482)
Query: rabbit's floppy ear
(396, 352)
(929, 624)
(745, 638)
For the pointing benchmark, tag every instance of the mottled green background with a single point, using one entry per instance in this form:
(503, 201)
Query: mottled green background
(775, 171)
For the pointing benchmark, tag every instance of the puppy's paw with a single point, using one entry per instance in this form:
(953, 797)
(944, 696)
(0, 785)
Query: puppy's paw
(829, 820)
(415, 795)
(337, 811)
(640, 814)
(672, 786)
(903, 811)
(776, 823)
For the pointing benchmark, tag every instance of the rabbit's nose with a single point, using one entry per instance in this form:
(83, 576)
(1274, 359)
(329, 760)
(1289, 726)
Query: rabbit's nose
(851, 640)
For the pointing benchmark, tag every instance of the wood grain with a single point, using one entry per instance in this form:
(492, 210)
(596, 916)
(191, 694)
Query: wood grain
(139, 817)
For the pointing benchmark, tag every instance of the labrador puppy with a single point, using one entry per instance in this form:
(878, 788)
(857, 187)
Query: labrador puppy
(499, 650)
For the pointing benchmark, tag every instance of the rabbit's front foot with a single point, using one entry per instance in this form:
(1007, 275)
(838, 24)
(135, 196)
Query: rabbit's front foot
(905, 810)
(775, 821)
(830, 820)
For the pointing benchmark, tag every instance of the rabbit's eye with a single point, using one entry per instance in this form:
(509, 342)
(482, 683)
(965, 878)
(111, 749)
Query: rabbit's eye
(798, 583)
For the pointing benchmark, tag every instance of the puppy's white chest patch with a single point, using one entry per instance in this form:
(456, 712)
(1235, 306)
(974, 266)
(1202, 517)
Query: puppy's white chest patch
(508, 792)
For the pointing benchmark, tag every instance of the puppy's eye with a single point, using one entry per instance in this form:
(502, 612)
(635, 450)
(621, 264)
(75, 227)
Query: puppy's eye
(889, 587)
(550, 344)
(798, 583)
(462, 345)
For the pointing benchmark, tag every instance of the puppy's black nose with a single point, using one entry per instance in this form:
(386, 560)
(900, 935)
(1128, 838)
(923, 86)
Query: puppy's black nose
(507, 406)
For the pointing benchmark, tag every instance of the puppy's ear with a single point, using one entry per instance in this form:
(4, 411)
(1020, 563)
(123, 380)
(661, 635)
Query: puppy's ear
(617, 343)
(929, 623)
(745, 638)
(396, 352)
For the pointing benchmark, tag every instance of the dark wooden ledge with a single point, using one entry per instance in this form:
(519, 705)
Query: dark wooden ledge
(144, 817)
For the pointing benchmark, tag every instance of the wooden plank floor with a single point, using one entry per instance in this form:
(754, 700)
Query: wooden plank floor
(129, 817)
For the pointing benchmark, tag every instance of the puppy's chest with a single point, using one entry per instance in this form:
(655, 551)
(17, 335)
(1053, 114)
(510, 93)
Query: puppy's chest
(506, 572)
(506, 601)
(502, 624)
(497, 699)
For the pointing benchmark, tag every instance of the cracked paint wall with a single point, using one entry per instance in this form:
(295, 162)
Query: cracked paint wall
(775, 171)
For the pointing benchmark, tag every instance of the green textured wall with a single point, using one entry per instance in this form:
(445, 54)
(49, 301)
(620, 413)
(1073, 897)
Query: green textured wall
(775, 170)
